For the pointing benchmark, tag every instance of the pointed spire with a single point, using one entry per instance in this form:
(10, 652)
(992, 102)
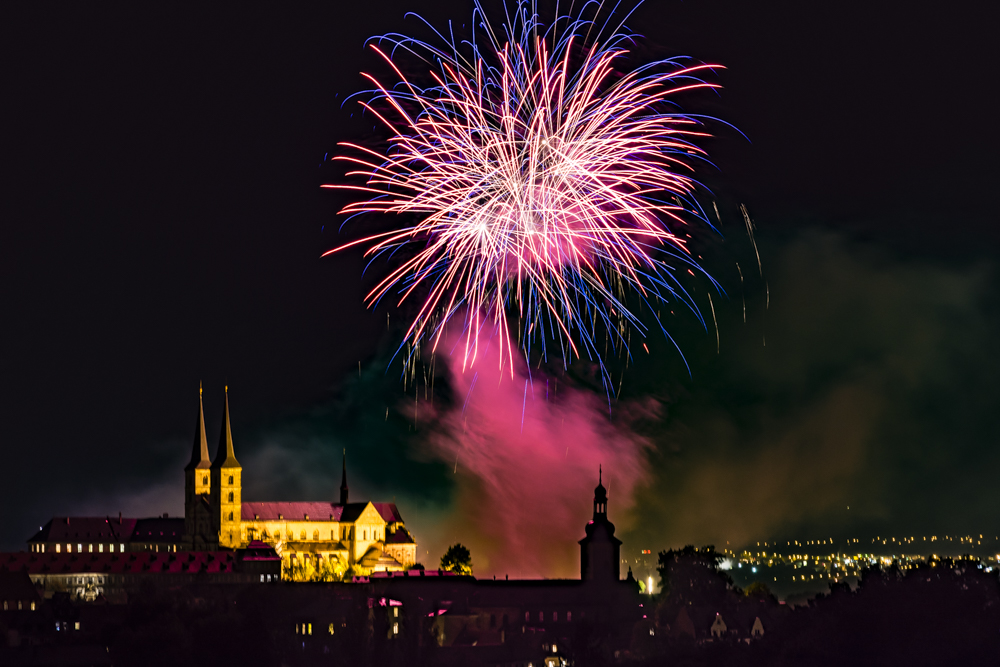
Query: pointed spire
(343, 481)
(225, 457)
(199, 452)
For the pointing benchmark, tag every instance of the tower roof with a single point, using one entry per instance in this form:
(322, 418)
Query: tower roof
(600, 493)
(225, 457)
(199, 452)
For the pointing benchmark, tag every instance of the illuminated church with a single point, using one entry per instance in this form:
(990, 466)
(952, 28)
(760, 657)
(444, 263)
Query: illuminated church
(361, 536)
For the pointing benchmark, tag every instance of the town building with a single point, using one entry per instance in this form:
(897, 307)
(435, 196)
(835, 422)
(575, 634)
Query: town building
(335, 538)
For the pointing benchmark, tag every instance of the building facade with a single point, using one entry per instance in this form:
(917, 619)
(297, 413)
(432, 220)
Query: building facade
(329, 538)
(324, 536)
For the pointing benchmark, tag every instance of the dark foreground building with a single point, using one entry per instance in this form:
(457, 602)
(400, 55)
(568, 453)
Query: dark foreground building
(194, 608)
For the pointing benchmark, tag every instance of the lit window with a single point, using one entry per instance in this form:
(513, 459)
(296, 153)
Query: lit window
(395, 628)
(58, 548)
(262, 578)
(100, 547)
(90, 548)
(395, 612)
(69, 548)
(79, 548)
(554, 649)
(76, 625)
(32, 606)
(19, 605)
(121, 548)
(5, 605)
(310, 629)
(330, 629)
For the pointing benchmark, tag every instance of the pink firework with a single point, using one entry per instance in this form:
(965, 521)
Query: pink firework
(549, 187)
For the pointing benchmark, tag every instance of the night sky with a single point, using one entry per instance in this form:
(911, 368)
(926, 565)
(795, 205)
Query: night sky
(163, 225)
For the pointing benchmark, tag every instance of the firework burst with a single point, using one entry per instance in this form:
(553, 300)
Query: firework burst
(548, 183)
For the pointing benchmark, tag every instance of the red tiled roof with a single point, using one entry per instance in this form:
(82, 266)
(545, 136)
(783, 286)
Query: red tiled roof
(191, 562)
(258, 551)
(389, 512)
(85, 529)
(293, 511)
(297, 511)
(399, 537)
(158, 530)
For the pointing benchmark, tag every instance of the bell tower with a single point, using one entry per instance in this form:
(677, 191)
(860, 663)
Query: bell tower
(600, 550)
(197, 478)
(226, 487)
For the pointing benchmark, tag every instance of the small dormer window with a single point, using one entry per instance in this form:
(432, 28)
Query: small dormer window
(281, 516)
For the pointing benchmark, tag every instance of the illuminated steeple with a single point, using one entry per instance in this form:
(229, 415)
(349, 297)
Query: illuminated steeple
(225, 457)
(199, 451)
(227, 486)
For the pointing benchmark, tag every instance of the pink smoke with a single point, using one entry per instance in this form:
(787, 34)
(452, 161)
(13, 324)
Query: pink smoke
(526, 453)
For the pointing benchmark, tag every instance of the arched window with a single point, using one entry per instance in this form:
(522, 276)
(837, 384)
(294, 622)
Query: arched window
(316, 535)
(230, 479)
(230, 516)
(230, 496)
(204, 480)
(302, 535)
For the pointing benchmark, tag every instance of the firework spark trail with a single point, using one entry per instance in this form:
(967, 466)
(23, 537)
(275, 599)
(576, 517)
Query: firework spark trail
(548, 185)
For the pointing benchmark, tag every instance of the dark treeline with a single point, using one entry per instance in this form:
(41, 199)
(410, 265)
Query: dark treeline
(941, 612)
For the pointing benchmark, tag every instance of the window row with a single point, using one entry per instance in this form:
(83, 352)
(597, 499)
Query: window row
(9, 605)
(554, 617)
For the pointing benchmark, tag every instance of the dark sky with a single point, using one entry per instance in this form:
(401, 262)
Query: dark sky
(163, 224)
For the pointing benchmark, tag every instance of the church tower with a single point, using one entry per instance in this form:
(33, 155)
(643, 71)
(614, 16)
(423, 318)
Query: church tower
(226, 487)
(600, 550)
(197, 478)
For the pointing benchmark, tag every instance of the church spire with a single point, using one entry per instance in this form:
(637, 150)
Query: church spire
(343, 482)
(199, 452)
(600, 497)
(225, 457)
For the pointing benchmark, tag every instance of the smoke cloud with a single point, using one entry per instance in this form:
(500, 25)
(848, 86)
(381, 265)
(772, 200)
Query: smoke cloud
(525, 453)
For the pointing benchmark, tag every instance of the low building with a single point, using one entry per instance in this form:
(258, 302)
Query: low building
(112, 576)
(334, 538)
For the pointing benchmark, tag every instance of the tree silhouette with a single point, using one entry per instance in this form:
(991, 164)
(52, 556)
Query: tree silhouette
(457, 559)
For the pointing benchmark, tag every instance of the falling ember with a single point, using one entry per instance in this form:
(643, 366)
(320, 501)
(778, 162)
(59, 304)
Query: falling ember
(547, 178)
